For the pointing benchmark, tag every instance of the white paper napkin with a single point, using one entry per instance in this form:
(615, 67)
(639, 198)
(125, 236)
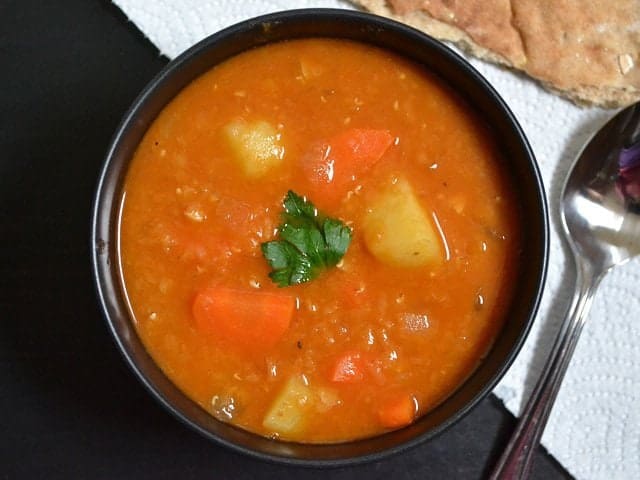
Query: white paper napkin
(594, 430)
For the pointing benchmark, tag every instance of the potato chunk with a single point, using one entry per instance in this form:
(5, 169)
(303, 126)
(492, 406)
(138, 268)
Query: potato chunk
(397, 230)
(289, 410)
(256, 146)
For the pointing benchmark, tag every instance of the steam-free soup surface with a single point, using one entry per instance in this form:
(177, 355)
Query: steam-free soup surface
(372, 141)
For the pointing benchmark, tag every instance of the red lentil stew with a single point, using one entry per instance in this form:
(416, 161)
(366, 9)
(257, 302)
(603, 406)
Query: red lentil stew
(318, 240)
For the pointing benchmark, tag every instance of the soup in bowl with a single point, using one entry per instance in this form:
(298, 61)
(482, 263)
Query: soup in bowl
(321, 236)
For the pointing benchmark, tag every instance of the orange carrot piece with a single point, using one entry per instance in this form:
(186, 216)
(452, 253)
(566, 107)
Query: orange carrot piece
(398, 411)
(331, 166)
(244, 318)
(349, 368)
(361, 147)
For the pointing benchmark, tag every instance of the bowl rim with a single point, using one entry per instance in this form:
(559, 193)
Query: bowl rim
(101, 223)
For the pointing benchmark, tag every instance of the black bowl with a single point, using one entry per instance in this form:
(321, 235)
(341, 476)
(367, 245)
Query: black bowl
(381, 32)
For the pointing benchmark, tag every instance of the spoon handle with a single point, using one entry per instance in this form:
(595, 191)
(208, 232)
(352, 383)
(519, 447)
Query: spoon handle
(516, 460)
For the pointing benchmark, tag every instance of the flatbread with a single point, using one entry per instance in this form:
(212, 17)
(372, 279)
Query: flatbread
(586, 50)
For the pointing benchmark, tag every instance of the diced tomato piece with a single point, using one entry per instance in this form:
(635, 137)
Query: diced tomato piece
(349, 368)
(332, 167)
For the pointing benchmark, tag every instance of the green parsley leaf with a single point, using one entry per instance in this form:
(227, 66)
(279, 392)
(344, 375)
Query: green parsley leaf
(308, 243)
(298, 209)
(338, 236)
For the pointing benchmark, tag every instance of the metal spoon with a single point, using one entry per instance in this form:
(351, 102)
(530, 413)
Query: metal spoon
(600, 212)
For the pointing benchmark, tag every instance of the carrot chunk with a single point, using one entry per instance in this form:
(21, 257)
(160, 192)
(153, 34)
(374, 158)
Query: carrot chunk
(398, 411)
(331, 167)
(358, 149)
(244, 318)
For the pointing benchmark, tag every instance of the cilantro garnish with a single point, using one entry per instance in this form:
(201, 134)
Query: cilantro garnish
(308, 243)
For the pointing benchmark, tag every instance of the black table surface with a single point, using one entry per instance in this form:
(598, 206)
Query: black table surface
(69, 407)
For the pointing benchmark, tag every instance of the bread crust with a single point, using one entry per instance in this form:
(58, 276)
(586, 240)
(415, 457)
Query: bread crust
(586, 51)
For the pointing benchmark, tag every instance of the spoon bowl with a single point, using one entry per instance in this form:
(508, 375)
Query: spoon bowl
(600, 212)
(600, 219)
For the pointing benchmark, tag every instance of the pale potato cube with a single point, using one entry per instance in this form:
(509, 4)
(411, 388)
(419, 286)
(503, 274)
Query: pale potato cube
(398, 231)
(289, 410)
(256, 146)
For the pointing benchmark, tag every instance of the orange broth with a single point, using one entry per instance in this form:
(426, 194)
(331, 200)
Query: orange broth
(193, 219)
